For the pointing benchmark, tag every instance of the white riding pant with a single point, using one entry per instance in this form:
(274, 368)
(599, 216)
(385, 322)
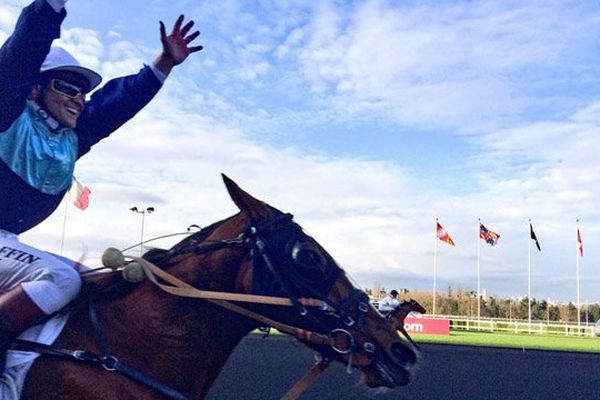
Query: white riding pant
(49, 280)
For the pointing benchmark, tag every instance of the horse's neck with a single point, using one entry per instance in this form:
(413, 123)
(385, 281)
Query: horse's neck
(185, 342)
(180, 341)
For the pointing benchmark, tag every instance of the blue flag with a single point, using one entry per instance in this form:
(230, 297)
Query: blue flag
(534, 237)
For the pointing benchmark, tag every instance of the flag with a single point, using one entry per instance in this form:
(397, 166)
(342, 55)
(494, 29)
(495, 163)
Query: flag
(443, 235)
(579, 243)
(490, 237)
(81, 194)
(533, 237)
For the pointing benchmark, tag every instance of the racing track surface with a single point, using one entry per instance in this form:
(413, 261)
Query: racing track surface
(264, 369)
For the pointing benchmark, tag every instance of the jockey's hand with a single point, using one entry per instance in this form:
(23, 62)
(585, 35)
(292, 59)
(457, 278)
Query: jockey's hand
(176, 45)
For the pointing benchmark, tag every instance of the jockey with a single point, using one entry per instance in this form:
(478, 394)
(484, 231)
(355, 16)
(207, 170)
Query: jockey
(389, 302)
(46, 125)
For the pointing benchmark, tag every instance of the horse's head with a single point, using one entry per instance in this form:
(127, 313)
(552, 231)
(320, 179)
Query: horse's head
(284, 261)
(411, 305)
(262, 265)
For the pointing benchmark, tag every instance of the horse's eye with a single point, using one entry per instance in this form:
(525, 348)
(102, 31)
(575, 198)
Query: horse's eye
(309, 258)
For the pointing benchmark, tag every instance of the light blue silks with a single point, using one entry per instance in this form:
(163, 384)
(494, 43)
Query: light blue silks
(43, 158)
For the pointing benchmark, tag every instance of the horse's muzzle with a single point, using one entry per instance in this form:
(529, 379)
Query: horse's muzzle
(392, 369)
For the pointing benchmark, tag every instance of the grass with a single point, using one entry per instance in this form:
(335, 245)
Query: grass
(512, 340)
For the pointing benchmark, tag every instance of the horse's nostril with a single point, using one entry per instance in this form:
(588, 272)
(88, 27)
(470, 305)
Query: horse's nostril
(403, 355)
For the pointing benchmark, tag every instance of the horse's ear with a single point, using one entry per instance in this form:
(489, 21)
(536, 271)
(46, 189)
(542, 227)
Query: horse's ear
(253, 207)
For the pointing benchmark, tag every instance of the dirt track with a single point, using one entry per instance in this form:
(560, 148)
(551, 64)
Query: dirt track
(266, 369)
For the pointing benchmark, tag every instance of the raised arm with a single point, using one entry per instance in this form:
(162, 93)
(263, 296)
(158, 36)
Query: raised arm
(121, 98)
(22, 55)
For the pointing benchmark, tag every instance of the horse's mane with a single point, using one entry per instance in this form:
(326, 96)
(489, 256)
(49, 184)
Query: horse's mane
(112, 286)
(160, 257)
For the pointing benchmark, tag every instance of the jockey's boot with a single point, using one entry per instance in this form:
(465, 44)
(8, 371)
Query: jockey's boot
(17, 313)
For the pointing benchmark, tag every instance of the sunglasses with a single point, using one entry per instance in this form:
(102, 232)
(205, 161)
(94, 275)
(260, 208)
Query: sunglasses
(66, 89)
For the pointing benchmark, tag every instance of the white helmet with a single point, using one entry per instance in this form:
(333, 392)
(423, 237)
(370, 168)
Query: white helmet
(59, 62)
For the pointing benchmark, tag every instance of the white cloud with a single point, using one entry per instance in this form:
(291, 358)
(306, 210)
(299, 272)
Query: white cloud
(590, 113)
(9, 12)
(443, 65)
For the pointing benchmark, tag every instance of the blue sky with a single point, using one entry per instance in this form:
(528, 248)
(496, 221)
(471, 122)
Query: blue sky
(365, 119)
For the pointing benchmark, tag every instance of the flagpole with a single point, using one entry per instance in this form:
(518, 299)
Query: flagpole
(529, 276)
(478, 273)
(577, 274)
(62, 236)
(435, 249)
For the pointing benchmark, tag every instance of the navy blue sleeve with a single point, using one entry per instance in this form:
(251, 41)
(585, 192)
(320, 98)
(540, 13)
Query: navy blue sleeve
(113, 105)
(22, 55)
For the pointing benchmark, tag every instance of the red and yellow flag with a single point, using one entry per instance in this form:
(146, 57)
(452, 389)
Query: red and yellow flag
(443, 235)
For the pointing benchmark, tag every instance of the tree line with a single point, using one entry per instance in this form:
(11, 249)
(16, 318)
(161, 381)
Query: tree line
(461, 302)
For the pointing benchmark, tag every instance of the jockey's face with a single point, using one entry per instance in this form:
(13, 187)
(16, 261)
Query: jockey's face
(64, 101)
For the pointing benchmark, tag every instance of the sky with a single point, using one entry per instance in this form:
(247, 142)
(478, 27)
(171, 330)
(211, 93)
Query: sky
(365, 119)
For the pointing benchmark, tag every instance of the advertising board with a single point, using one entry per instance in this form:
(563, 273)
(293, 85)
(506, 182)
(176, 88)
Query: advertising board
(427, 326)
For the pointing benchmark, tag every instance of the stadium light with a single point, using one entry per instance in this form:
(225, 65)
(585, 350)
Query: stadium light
(143, 211)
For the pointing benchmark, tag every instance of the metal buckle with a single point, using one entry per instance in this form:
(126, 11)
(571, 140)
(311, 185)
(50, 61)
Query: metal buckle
(302, 310)
(350, 341)
(109, 363)
(319, 358)
(363, 307)
(369, 347)
(80, 355)
(348, 320)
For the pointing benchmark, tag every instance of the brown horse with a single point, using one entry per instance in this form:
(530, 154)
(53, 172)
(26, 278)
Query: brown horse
(399, 314)
(184, 341)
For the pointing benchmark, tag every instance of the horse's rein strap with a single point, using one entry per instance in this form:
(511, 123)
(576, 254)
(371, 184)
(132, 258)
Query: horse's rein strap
(223, 299)
(307, 380)
(184, 289)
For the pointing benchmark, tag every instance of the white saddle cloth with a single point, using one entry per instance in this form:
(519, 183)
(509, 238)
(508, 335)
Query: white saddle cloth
(19, 362)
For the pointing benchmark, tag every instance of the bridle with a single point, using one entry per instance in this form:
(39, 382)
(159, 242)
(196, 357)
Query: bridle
(337, 338)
